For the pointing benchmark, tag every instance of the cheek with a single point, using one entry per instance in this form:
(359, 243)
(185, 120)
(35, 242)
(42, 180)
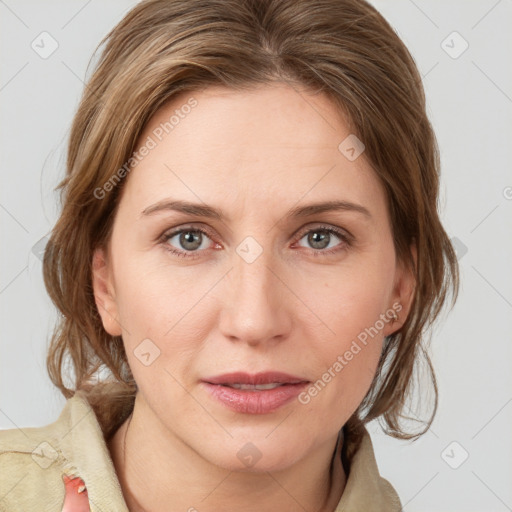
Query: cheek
(351, 297)
(350, 304)
(153, 295)
(161, 311)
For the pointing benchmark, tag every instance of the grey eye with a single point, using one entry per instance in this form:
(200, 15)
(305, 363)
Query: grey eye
(320, 238)
(189, 240)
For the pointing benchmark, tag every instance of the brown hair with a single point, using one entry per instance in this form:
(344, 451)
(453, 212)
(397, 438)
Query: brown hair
(343, 48)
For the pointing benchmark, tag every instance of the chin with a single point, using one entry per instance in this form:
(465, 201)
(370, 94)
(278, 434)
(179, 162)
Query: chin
(257, 456)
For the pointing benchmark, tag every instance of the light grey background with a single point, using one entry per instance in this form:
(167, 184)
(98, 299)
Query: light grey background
(470, 104)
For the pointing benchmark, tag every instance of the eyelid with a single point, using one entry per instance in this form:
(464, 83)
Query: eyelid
(168, 233)
(341, 232)
(300, 233)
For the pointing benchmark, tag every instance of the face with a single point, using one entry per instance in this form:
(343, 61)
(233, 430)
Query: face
(251, 280)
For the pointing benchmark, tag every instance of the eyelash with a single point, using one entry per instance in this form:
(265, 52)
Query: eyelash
(345, 238)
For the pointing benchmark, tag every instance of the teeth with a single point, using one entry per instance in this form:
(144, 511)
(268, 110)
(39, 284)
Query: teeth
(257, 387)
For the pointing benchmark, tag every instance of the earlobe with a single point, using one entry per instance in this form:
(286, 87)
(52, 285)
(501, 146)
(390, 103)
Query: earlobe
(104, 293)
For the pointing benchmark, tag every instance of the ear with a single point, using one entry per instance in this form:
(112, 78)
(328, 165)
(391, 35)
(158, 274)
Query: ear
(403, 294)
(104, 293)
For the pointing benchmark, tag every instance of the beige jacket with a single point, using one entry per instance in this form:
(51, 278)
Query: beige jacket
(66, 467)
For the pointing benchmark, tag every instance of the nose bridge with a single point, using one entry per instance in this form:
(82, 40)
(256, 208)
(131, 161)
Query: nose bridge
(251, 273)
(254, 305)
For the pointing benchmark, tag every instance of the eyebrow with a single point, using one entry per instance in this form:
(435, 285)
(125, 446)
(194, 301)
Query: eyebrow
(204, 210)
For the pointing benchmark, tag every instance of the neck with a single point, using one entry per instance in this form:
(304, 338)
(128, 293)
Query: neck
(139, 446)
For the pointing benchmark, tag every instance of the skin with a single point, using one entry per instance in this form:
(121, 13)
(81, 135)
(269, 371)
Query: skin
(254, 155)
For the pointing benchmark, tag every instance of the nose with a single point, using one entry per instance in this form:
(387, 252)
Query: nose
(257, 303)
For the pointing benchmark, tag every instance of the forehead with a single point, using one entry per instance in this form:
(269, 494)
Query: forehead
(268, 147)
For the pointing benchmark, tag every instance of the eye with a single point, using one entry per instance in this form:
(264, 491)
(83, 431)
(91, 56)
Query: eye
(186, 241)
(321, 239)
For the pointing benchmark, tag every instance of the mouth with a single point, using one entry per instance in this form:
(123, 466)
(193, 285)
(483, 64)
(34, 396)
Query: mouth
(254, 387)
(262, 380)
(259, 393)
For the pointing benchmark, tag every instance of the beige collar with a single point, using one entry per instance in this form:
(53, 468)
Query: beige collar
(78, 438)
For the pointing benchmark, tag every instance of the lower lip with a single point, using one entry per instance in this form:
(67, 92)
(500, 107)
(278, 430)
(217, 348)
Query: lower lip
(255, 402)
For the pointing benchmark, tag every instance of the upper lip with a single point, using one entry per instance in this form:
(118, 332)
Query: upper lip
(255, 379)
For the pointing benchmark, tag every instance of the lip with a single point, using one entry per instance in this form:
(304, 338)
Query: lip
(254, 379)
(254, 402)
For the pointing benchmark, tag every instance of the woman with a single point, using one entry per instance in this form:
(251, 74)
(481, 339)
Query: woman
(247, 260)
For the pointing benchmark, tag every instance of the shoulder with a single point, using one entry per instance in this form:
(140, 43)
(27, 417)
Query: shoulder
(32, 463)
(365, 488)
(42, 467)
